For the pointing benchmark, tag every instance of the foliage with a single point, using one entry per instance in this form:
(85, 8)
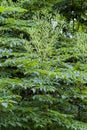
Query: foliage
(43, 78)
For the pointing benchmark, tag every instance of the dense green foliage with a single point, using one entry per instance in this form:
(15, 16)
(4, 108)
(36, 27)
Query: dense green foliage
(43, 65)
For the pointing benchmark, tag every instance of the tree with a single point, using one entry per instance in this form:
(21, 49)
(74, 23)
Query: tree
(43, 75)
(73, 10)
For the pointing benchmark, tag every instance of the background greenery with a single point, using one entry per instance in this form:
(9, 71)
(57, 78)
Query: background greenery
(43, 64)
